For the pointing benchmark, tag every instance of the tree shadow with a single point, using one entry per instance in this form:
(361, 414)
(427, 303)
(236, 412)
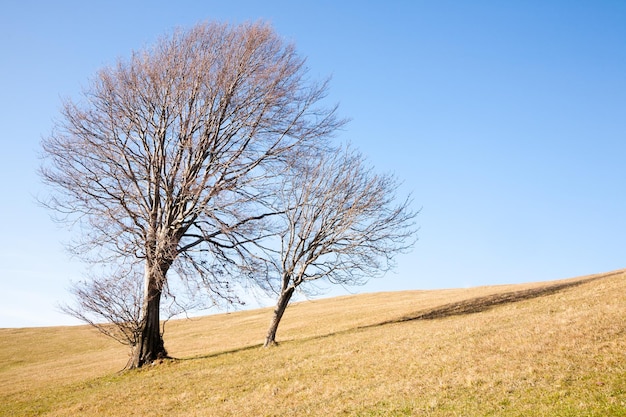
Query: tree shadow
(484, 303)
(221, 352)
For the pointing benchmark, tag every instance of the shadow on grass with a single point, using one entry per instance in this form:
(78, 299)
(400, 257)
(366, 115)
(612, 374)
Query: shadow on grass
(479, 304)
(469, 306)
(221, 352)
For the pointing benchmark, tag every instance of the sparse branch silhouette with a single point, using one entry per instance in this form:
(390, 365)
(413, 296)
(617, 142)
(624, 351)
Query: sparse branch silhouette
(339, 221)
(165, 157)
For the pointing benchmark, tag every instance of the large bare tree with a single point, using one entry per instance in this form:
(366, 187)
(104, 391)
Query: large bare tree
(339, 221)
(164, 158)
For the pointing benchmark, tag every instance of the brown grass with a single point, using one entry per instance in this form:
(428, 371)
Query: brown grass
(541, 349)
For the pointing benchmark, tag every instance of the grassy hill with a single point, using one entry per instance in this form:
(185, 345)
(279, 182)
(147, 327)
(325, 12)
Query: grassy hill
(541, 349)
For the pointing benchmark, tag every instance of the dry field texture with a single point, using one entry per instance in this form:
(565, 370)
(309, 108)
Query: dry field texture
(541, 349)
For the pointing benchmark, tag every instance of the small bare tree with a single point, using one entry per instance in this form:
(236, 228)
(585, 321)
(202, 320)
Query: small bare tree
(112, 303)
(165, 158)
(339, 222)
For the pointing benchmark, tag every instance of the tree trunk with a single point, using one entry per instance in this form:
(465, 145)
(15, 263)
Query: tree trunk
(281, 305)
(150, 347)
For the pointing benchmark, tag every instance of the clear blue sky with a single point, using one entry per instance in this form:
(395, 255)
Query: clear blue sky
(507, 121)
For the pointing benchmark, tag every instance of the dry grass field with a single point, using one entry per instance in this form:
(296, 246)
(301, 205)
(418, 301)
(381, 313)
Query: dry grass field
(541, 349)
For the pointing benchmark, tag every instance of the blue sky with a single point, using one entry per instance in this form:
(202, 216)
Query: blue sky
(506, 120)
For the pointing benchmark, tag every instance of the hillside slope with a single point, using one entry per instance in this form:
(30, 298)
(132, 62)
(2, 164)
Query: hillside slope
(541, 349)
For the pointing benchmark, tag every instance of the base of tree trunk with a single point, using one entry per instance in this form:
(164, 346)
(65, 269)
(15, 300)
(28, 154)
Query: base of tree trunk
(135, 363)
(270, 343)
(131, 365)
(281, 305)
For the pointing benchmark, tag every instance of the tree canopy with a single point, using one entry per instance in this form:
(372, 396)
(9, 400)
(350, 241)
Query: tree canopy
(165, 158)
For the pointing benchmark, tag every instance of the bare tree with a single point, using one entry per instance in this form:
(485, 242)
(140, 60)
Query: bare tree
(339, 222)
(112, 303)
(164, 159)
